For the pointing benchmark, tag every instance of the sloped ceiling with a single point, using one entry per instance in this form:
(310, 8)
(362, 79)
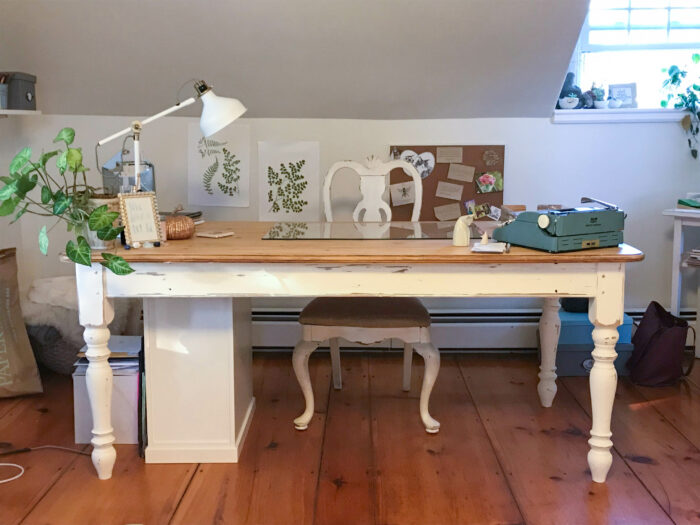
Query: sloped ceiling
(370, 59)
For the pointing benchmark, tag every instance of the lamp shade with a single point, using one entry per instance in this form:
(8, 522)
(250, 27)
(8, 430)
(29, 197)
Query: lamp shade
(218, 112)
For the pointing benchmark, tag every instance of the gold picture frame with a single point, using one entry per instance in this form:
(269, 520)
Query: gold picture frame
(139, 212)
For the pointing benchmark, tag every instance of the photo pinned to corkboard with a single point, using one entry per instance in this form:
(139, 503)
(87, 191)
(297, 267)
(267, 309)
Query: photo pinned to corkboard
(460, 180)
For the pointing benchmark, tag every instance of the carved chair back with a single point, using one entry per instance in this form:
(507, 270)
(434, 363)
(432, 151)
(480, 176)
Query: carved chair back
(373, 179)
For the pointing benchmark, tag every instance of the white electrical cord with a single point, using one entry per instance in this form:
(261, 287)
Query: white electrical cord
(16, 476)
(21, 468)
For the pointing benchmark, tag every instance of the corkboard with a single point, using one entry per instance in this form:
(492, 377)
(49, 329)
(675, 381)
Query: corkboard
(475, 156)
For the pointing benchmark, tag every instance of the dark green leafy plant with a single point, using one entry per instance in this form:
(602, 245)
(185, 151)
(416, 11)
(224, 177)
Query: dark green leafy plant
(31, 188)
(286, 188)
(685, 96)
(230, 175)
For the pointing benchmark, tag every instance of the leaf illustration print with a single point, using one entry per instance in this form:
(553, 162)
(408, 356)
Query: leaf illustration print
(208, 147)
(209, 175)
(230, 174)
(287, 187)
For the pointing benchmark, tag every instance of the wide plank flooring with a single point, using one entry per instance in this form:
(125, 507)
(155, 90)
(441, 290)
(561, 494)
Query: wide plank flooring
(499, 458)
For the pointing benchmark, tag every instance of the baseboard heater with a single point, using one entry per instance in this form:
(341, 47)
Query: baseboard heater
(458, 331)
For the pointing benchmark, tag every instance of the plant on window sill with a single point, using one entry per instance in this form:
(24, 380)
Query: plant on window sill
(685, 97)
(66, 197)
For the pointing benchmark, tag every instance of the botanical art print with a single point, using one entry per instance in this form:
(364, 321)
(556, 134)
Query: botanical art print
(289, 181)
(218, 167)
(286, 187)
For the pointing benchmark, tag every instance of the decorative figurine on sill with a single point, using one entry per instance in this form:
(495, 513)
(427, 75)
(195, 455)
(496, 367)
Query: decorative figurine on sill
(567, 90)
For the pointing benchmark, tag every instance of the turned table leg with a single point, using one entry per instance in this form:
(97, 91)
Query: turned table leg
(96, 313)
(550, 326)
(605, 313)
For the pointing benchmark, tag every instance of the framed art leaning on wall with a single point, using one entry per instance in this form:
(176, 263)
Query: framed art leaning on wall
(139, 212)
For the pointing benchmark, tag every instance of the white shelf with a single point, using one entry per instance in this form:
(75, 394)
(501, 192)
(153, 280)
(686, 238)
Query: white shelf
(8, 112)
(622, 115)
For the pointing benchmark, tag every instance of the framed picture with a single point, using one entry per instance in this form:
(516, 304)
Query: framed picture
(626, 93)
(139, 213)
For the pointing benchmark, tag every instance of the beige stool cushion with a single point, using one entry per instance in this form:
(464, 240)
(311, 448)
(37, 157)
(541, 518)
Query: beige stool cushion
(365, 312)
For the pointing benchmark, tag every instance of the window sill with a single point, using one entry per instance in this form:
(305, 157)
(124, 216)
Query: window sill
(615, 116)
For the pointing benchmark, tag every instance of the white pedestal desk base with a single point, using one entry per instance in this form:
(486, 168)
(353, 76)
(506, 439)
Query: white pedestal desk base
(199, 392)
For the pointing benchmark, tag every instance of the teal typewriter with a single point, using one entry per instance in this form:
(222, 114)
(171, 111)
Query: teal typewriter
(566, 230)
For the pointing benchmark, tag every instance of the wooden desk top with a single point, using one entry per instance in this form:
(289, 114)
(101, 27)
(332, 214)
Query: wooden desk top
(247, 246)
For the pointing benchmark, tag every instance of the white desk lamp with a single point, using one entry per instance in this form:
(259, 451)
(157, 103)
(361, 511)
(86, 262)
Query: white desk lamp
(217, 113)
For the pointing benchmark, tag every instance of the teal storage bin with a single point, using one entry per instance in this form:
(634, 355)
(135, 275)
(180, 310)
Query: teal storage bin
(576, 360)
(576, 329)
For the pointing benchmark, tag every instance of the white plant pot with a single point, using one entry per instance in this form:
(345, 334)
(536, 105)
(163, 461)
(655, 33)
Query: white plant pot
(91, 236)
(568, 103)
(600, 104)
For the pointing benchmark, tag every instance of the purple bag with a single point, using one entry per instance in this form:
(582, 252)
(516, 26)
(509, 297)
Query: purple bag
(659, 348)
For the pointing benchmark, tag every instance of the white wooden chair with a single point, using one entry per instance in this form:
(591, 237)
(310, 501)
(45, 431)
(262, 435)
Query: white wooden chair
(368, 320)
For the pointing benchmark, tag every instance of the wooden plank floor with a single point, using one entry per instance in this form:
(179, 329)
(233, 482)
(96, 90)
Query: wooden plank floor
(365, 459)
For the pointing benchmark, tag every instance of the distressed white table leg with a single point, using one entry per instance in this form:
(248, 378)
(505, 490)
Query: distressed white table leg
(300, 362)
(407, 362)
(431, 356)
(96, 313)
(334, 344)
(550, 327)
(605, 312)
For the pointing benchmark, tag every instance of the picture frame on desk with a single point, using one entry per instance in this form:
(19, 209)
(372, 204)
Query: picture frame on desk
(139, 212)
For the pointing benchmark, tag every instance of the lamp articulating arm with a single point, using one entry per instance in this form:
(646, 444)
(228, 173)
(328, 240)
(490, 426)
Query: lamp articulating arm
(217, 113)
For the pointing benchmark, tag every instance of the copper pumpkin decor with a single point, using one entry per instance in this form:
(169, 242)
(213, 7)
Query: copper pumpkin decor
(179, 227)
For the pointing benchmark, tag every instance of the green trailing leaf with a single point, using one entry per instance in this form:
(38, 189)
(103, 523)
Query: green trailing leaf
(74, 159)
(7, 180)
(20, 213)
(209, 175)
(664, 103)
(61, 204)
(43, 241)
(109, 233)
(8, 190)
(25, 184)
(44, 158)
(29, 167)
(20, 160)
(45, 195)
(696, 58)
(8, 206)
(62, 162)
(79, 253)
(116, 264)
(101, 218)
(66, 135)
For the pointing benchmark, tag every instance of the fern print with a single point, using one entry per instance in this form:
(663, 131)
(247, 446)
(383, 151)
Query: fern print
(230, 174)
(286, 188)
(209, 175)
(209, 147)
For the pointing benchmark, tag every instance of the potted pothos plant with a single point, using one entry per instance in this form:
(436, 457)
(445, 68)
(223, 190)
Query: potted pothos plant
(63, 197)
(683, 94)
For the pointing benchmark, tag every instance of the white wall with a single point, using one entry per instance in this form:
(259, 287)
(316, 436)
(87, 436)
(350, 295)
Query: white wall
(642, 167)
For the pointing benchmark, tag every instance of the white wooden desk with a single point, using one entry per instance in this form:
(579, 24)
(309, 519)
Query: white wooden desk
(196, 302)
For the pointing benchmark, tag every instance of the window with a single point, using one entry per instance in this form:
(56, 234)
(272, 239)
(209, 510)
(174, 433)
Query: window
(625, 41)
